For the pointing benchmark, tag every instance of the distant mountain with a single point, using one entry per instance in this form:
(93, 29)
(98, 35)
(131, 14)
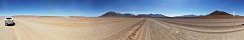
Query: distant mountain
(116, 14)
(128, 14)
(215, 14)
(219, 13)
(112, 14)
(150, 15)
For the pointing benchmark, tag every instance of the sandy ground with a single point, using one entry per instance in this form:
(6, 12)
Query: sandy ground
(64, 28)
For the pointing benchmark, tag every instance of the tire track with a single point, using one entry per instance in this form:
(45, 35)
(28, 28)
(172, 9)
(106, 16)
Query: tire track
(21, 31)
(126, 33)
(160, 32)
(198, 30)
(26, 32)
(135, 32)
(7, 32)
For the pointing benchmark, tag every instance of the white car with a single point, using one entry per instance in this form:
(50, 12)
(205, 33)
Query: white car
(9, 21)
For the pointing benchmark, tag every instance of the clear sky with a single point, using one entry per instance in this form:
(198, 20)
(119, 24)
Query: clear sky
(98, 7)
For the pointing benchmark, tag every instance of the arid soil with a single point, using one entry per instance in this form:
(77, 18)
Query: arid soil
(68, 28)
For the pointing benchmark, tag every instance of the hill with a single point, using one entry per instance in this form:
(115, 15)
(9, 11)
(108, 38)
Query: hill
(116, 14)
(219, 14)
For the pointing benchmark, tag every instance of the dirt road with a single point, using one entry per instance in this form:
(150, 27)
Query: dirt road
(115, 29)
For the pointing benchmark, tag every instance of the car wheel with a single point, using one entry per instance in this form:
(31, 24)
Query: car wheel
(6, 24)
(13, 23)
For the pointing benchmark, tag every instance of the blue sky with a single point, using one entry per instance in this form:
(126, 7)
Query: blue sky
(94, 8)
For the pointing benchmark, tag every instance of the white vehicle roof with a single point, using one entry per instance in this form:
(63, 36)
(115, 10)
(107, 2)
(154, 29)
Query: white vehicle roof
(8, 17)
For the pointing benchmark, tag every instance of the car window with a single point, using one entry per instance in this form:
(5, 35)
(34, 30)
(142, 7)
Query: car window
(8, 18)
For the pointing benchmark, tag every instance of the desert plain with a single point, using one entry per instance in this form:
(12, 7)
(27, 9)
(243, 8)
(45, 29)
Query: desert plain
(96, 28)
